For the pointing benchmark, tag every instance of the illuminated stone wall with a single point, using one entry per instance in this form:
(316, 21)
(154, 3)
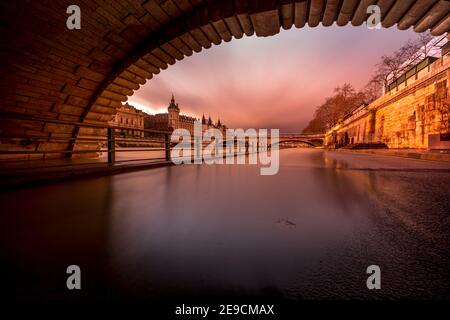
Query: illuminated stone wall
(406, 116)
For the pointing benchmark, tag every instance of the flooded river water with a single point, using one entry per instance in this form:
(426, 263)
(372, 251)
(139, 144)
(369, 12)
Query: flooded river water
(308, 232)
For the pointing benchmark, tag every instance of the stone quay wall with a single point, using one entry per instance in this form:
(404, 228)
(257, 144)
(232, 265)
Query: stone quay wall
(404, 117)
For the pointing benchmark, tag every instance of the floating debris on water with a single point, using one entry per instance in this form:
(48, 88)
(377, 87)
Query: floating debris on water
(287, 222)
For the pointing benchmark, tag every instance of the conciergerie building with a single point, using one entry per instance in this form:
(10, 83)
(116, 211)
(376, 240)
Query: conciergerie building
(129, 118)
(173, 119)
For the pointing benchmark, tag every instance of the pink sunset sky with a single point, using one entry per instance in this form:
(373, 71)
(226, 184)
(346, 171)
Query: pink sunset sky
(273, 82)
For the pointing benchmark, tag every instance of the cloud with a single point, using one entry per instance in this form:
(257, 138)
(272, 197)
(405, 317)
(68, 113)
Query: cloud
(270, 82)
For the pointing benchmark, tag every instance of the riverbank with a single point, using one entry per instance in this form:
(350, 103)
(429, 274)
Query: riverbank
(403, 153)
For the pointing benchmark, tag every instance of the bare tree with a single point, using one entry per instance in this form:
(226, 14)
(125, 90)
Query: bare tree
(332, 111)
(423, 41)
(347, 99)
(409, 51)
(390, 67)
(393, 65)
(316, 125)
(373, 90)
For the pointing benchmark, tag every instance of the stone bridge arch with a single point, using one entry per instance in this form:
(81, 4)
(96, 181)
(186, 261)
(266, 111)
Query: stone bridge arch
(314, 140)
(311, 144)
(84, 75)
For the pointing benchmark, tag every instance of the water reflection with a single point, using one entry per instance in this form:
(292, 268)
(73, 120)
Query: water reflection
(308, 232)
(46, 229)
(219, 227)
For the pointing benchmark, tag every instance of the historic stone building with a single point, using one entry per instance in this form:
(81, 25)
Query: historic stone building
(128, 118)
(173, 120)
(208, 124)
(414, 111)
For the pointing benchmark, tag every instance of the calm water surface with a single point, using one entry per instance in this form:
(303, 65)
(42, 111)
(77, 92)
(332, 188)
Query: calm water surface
(309, 232)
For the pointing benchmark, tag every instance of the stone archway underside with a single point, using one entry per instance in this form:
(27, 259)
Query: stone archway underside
(84, 75)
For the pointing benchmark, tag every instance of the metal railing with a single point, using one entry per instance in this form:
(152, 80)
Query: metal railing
(106, 139)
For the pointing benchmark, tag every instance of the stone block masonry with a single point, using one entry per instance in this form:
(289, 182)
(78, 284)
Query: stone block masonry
(84, 75)
(406, 116)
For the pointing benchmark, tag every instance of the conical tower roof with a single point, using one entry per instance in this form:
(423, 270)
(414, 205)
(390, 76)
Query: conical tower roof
(173, 105)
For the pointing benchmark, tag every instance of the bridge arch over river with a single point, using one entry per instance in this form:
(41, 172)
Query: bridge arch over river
(313, 140)
(84, 75)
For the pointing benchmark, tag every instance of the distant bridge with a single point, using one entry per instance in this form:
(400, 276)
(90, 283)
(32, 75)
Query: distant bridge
(314, 140)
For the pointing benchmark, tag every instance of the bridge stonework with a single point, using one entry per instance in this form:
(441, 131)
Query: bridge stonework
(313, 140)
(84, 75)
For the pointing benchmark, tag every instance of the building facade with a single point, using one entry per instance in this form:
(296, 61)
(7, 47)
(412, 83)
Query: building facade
(414, 110)
(130, 120)
(173, 120)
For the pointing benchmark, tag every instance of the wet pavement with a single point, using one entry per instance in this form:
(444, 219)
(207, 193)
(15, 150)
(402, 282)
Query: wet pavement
(308, 232)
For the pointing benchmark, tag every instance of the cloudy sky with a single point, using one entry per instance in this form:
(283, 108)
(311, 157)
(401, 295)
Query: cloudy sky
(274, 82)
